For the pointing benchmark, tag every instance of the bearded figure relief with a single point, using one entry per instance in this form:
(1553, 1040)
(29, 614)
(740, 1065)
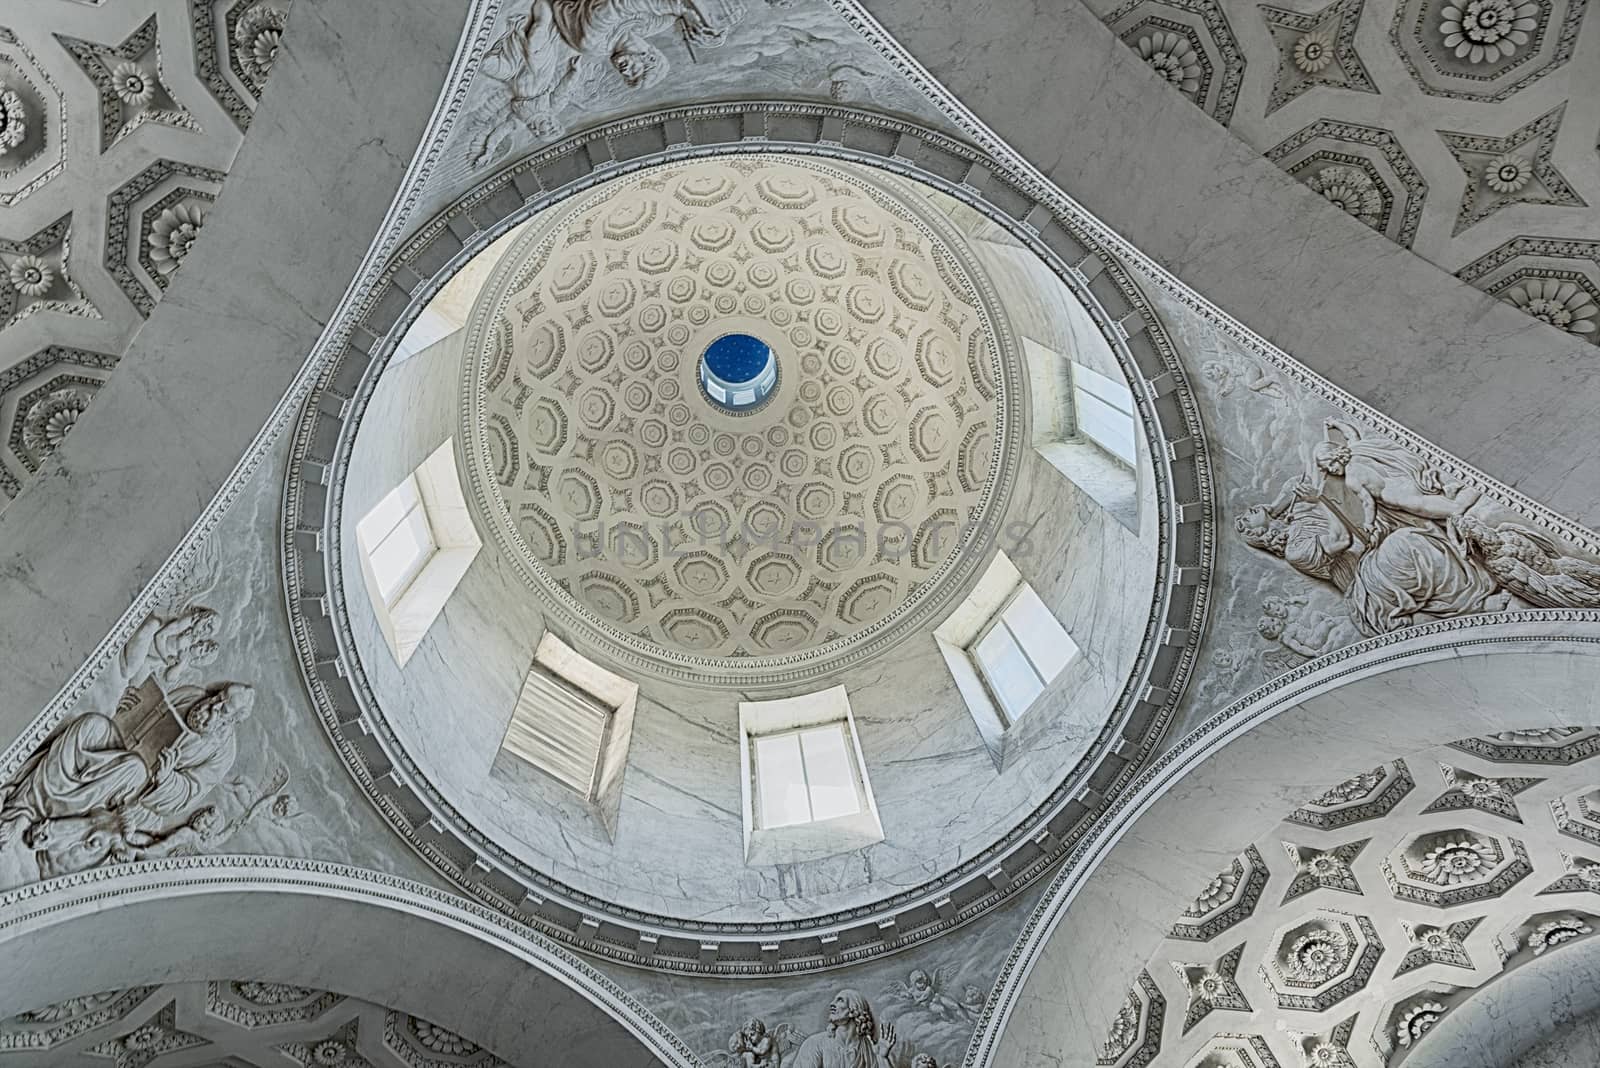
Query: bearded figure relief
(852, 1038)
(105, 788)
(151, 777)
(1399, 539)
(559, 51)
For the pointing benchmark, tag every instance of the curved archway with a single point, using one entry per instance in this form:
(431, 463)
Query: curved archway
(367, 935)
(1227, 783)
(1532, 1008)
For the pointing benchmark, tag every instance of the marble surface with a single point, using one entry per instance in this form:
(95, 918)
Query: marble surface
(935, 1016)
(795, 49)
(1478, 378)
(383, 941)
(1543, 1015)
(1230, 789)
(207, 368)
(678, 844)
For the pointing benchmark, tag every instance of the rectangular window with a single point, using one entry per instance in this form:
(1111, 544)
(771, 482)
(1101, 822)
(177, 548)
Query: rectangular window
(561, 730)
(1104, 410)
(398, 539)
(805, 776)
(1020, 651)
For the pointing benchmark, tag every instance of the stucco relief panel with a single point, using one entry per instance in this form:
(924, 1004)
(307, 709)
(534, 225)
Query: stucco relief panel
(1432, 900)
(1340, 528)
(1455, 129)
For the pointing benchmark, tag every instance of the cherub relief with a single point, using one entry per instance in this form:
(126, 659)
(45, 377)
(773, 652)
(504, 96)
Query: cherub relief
(926, 992)
(1302, 631)
(1226, 376)
(168, 647)
(542, 58)
(753, 1046)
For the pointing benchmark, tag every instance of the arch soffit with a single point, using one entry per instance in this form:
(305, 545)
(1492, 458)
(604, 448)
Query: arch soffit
(368, 935)
(1230, 781)
(1055, 229)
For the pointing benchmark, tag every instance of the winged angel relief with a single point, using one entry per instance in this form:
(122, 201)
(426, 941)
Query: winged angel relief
(1401, 540)
(558, 52)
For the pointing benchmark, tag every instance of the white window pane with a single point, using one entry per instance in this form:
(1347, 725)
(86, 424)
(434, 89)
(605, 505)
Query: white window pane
(1041, 635)
(1116, 394)
(781, 781)
(1104, 425)
(398, 557)
(1007, 670)
(830, 773)
(388, 513)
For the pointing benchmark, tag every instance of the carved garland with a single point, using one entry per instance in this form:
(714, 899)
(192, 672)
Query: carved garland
(338, 686)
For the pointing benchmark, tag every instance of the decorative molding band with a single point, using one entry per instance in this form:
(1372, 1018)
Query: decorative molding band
(1446, 639)
(58, 901)
(319, 614)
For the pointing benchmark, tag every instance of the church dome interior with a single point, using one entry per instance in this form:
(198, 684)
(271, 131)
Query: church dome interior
(799, 534)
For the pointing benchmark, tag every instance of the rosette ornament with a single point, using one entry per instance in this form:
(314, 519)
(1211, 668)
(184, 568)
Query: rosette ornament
(1561, 304)
(13, 119)
(31, 276)
(256, 36)
(1173, 57)
(1487, 31)
(173, 234)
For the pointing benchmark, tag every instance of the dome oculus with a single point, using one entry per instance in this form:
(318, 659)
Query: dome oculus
(738, 371)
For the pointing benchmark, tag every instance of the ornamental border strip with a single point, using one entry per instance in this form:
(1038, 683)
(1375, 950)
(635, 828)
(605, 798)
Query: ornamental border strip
(343, 697)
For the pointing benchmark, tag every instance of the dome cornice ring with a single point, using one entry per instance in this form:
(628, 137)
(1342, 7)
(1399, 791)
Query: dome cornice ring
(1052, 227)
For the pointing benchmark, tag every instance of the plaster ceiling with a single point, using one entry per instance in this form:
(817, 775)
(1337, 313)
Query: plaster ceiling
(238, 1023)
(1473, 145)
(119, 126)
(731, 548)
(1376, 908)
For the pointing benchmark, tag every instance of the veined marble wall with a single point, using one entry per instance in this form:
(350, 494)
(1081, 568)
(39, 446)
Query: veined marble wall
(1267, 419)
(134, 771)
(678, 844)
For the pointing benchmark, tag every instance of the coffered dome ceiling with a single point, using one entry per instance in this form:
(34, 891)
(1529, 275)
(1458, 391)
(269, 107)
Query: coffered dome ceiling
(739, 547)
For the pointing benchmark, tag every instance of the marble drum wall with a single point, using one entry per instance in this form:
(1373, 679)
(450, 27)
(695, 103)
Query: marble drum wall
(667, 883)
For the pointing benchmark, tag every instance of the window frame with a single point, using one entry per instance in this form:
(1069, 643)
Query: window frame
(415, 566)
(407, 612)
(580, 696)
(1083, 383)
(852, 766)
(998, 619)
(793, 843)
